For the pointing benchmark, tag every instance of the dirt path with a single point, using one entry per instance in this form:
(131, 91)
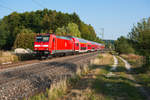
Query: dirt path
(142, 90)
(115, 63)
(127, 65)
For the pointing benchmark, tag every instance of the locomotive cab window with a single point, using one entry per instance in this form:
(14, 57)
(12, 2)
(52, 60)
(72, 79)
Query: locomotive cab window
(42, 38)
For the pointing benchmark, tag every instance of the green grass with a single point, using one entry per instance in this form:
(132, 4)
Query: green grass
(117, 87)
(140, 72)
(144, 79)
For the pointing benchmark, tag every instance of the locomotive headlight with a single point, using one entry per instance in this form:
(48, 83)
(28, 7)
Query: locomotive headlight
(37, 45)
(45, 45)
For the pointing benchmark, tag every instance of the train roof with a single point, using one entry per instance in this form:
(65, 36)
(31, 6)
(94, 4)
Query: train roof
(85, 41)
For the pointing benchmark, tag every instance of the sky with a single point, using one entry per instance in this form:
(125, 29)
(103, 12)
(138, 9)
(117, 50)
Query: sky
(116, 17)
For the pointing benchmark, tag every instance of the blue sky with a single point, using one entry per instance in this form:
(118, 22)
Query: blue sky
(115, 16)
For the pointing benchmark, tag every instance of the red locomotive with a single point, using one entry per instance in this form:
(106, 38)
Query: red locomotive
(51, 44)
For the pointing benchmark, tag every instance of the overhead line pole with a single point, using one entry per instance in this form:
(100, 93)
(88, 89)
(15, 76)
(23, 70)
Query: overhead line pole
(102, 32)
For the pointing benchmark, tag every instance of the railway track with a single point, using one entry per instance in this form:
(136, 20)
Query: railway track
(12, 75)
(33, 72)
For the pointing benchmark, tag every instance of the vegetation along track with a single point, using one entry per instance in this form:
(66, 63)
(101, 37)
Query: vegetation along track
(19, 82)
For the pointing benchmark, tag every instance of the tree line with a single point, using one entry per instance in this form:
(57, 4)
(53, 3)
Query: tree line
(138, 40)
(19, 27)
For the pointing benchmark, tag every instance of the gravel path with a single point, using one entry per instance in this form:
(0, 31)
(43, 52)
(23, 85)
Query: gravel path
(114, 66)
(127, 65)
(141, 88)
(26, 80)
(115, 63)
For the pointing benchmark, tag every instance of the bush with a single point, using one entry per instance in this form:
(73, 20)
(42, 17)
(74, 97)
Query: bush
(123, 46)
(24, 39)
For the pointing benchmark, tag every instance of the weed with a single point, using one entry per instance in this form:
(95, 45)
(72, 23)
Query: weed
(56, 91)
(7, 57)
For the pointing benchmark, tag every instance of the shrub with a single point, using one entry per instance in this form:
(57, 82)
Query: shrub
(24, 39)
(7, 56)
(123, 46)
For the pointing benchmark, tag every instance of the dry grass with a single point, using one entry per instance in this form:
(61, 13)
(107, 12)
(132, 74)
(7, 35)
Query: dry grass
(103, 59)
(134, 60)
(131, 56)
(7, 56)
(56, 91)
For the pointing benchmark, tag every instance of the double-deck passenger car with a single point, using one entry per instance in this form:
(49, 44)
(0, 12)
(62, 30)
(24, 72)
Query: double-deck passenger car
(51, 44)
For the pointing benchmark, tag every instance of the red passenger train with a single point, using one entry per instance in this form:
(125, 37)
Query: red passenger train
(50, 44)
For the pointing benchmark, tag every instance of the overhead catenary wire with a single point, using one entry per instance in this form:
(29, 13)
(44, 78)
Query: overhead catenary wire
(37, 3)
(2, 6)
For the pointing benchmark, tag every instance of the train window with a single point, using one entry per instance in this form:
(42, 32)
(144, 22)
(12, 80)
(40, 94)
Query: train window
(38, 39)
(77, 44)
(42, 38)
(83, 48)
(45, 39)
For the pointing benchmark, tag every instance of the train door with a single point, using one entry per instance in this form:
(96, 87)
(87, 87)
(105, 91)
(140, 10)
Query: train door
(72, 44)
(54, 45)
(79, 47)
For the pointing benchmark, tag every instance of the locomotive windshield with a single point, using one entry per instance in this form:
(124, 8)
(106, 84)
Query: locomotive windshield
(42, 38)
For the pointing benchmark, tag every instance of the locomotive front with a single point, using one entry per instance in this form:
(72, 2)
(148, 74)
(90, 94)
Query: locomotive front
(41, 45)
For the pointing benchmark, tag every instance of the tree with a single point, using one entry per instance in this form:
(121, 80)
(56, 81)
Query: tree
(87, 32)
(24, 39)
(140, 36)
(4, 33)
(61, 31)
(2, 37)
(122, 46)
(72, 29)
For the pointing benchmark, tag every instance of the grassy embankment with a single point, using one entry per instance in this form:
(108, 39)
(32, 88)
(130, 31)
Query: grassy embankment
(140, 71)
(98, 83)
(102, 83)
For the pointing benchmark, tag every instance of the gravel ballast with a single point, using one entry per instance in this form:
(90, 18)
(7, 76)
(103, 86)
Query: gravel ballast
(26, 80)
